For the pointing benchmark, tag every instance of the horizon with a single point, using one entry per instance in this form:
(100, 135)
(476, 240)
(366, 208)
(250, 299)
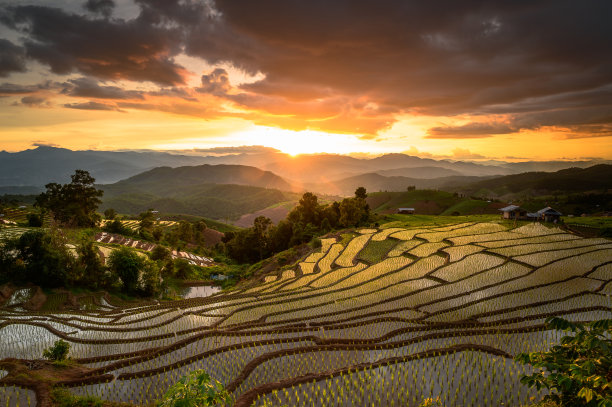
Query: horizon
(472, 81)
(256, 149)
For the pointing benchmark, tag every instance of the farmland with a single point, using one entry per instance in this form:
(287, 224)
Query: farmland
(378, 316)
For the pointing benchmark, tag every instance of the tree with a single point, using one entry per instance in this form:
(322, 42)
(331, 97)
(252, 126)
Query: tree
(307, 211)
(261, 228)
(577, 371)
(110, 214)
(361, 193)
(197, 389)
(34, 220)
(92, 271)
(58, 352)
(41, 257)
(146, 219)
(116, 226)
(182, 268)
(73, 204)
(127, 265)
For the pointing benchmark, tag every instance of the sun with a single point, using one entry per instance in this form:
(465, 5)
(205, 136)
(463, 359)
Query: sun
(300, 142)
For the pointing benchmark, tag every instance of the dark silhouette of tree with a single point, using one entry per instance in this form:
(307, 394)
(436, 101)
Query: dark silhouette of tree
(73, 204)
(361, 193)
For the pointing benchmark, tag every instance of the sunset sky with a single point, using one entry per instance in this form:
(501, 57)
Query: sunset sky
(510, 80)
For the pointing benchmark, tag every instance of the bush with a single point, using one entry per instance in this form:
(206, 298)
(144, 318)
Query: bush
(63, 398)
(127, 265)
(58, 352)
(34, 220)
(197, 389)
(577, 371)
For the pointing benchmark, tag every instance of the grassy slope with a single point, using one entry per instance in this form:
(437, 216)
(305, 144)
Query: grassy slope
(428, 202)
(214, 201)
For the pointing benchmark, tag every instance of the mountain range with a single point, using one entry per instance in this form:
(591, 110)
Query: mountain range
(39, 166)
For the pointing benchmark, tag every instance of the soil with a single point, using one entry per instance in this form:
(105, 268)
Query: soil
(6, 291)
(40, 376)
(37, 300)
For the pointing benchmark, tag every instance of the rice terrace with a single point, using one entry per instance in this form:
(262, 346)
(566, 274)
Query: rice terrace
(377, 316)
(315, 203)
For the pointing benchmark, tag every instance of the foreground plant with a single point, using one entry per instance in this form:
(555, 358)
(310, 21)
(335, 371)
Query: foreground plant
(195, 390)
(58, 352)
(578, 371)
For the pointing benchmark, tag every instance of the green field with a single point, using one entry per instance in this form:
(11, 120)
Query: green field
(439, 311)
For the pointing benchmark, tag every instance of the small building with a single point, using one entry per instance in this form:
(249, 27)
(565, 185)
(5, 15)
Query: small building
(548, 214)
(405, 211)
(513, 212)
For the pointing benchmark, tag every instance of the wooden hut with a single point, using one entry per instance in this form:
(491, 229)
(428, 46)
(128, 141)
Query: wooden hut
(513, 212)
(548, 214)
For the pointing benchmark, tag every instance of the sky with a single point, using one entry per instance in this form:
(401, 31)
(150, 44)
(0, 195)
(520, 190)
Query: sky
(475, 80)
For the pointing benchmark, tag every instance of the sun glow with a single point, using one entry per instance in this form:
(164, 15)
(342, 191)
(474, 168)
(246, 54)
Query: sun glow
(301, 142)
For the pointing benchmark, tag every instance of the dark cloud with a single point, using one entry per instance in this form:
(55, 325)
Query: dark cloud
(471, 130)
(215, 83)
(348, 65)
(12, 58)
(44, 144)
(102, 7)
(92, 106)
(107, 49)
(32, 101)
(13, 89)
(87, 87)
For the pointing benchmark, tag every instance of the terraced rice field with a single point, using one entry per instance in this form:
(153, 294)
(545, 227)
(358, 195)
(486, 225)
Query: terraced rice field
(10, 232)
(436, 313)
(134, 225)
(105, 239)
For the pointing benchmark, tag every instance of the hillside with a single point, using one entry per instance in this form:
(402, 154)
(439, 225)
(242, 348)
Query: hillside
(420, 172)
(595, 178)
(217, 201)
(164, 177)
(430, 202)
(214, 191)
(375, 182)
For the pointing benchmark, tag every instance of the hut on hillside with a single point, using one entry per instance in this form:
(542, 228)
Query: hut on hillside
(513, 212)
(405, 211)
(548, 214)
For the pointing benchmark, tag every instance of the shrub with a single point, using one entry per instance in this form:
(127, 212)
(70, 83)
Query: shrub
(577, 371)
(58, 352)
(63, 398)
(197, 389)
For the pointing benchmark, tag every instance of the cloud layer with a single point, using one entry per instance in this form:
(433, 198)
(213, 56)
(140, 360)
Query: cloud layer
(343, 66)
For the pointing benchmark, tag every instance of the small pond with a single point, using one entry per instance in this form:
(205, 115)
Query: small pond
(199, 291)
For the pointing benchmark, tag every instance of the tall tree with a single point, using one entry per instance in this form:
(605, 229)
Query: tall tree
(73, 204)
(361, 193)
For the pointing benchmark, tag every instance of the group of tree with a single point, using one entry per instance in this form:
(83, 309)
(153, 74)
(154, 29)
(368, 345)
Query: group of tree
(307, 220)
(74, 204)
(42, 257)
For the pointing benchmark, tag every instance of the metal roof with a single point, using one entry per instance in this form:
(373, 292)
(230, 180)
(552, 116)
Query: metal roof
(510, 208)
(549, 211)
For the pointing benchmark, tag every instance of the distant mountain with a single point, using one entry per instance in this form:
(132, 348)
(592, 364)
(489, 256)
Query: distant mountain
(39, 166)
(571, 180)
(215, 191)
(420, 172)
(374, 182)
(207, 174)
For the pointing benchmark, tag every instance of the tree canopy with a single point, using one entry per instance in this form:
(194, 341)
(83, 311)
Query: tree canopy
(73, 204)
